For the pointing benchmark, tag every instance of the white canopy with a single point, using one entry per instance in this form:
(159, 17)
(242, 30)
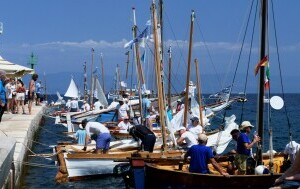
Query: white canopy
(14, 70)
(72, 90)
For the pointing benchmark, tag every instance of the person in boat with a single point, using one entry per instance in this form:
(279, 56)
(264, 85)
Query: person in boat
(201, 155)
(191, 92)
(244, 146)
(194, 127)
(147, 109)
(124, 125)
(143, 133)
(68, 105)
(291, 150)
(186, 138)
(126, 97)
(122, 110)
(80, 135)
(74, 107)
(292, 174)
(98, 132)
(97, 105)
(179, 105)
(86, 107)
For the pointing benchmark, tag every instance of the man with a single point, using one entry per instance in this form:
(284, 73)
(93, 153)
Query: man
(74, 107)
(145, 135)
(31, 91)
(124, 125)
(146, 108)
(186, 136)
(97, 105)
(192, 89)
(86, 107)
(201, 155)
(194, 127)
(2, 93)
(39, 95)
(291, 150)
(80, 135)
(244, 146)
(122, 110)
(99, 133)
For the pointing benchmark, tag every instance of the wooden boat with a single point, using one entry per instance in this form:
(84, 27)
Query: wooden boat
(174, 176)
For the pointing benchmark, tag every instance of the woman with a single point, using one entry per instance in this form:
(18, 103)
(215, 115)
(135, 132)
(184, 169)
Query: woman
(20, 95)
(2, 93)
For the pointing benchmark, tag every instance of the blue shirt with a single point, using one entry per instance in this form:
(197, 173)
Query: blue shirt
(38, 88)
(80, 135)
(145, 106)
(200, 157)
(2, 93)
(243, 138)
(170, 115)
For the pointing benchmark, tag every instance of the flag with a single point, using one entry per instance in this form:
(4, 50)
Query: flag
(267, 78)
(263, 62)
(123, 84)
(139, 38)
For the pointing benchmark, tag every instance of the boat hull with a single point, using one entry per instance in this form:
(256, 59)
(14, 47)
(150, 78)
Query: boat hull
(161, 178)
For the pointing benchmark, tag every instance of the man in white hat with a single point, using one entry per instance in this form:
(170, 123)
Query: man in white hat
(244, 146)
(186, 136)
(201, 155)
(124, 125)
(85, 107)
(122, 110)
(291, 150)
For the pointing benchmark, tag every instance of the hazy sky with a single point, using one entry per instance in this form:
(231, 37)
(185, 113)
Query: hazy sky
(62, 32)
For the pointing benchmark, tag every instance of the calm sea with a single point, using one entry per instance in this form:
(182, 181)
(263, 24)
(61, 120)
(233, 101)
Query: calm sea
(43, 174)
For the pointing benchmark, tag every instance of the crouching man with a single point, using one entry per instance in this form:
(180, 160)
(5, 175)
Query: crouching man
(98, 132)
(143, 133)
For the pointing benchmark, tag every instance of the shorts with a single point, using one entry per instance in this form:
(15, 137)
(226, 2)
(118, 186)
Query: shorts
(103, 141)
(240, 161)
(39, 95)
(20, 96)
(149, 142)
(31, 97)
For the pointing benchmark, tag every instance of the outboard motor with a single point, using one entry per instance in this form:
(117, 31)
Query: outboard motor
(125, 170)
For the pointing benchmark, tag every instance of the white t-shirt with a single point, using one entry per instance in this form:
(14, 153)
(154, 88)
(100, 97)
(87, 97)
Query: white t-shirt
(291, 149)
(124, 126)
(74, 104)
(95, 128)
(192, 89)
(86, 107)
(189, 139)
(195, 130)
(122, 111)
(97, 105)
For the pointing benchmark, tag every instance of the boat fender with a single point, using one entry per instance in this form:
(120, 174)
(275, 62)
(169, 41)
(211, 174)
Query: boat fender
(261, 170)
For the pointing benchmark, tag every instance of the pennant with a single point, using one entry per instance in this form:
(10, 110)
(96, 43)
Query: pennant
(267, 78)
(263, 62)
(139, 38)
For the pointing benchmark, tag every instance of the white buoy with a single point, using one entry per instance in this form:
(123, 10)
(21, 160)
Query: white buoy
(276, 102)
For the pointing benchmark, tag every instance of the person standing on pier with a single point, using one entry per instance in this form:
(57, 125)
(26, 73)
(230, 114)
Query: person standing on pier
(2, 93)
(31, 91)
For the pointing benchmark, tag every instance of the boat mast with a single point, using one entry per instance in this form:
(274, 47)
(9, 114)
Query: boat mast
(199, 92)
(161, 28)
(263, 37)
(127, 65)
(102, 68)
(138, 63)
(159, 80)
(84, 82)
(169, 78)
(91, 92)
(186, 103)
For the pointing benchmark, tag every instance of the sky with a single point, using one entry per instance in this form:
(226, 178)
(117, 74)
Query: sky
(61, 33)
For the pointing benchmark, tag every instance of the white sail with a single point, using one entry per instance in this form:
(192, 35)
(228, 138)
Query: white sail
(100, 94)
(72, 90)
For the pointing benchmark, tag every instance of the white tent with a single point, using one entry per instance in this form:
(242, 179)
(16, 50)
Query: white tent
(14, 70)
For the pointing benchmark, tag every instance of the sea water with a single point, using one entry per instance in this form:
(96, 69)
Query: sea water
(41, 171)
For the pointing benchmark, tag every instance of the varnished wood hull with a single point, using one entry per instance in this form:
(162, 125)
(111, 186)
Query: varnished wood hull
(160, 178)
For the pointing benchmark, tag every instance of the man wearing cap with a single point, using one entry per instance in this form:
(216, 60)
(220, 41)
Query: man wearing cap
(244, 146)
(124, 125)
(122, 109)
(186, 136)
(80, 135)
(291, 150)
(194, 127)
(201, 155)
(98, 132)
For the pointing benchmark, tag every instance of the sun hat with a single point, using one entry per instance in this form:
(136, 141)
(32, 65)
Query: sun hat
(245, 124)
(202, 137)
(191, 83)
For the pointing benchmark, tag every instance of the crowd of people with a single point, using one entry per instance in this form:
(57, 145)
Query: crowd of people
(14, 94)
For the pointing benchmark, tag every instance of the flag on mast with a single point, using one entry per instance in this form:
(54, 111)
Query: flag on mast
(263, 62)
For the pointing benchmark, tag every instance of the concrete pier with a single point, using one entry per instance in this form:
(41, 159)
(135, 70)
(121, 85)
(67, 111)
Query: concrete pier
(16, 135)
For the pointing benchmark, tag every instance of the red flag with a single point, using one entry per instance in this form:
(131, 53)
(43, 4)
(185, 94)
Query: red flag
(263, 62)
